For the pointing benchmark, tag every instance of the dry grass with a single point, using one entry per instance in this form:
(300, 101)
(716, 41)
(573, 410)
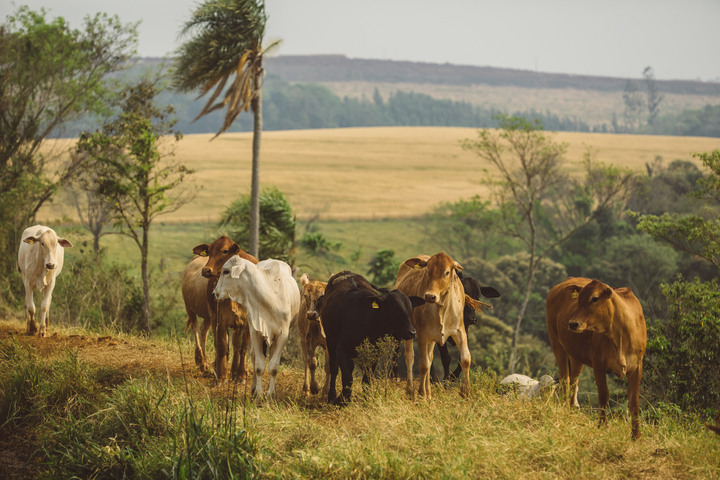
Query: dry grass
(386, 435)
(370, 173)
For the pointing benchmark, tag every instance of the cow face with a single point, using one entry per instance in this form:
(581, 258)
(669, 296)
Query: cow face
(217, 254)
(594, 308)
(229, 276)
(395, 311)
(48, 242)
(312, 291)
(441, 272)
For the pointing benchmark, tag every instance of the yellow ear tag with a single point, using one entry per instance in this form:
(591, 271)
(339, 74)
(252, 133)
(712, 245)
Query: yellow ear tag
(375, 305)
(31, 241)
(417, 266)
(203, 254)
(575, 293)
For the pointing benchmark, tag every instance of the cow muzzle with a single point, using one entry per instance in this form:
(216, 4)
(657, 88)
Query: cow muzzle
(50, 266)
(207, 273)
(312, 316)
(576, 327)
(430, 297)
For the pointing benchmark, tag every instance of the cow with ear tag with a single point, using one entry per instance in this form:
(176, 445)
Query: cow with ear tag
(272, 300)
(353, 310)
(40, 261)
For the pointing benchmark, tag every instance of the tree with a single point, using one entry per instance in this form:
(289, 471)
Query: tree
(277, 224)
(51, 75)
(226, 42)
(697, 234)
(632, 98)
(384, 267)
(653, 96)
(135, 173)
(542, 206)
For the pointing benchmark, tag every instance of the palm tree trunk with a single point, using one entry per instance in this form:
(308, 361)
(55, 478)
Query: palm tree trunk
(256, 106)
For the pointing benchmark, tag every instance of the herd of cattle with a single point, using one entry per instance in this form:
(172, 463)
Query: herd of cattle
(589, 323)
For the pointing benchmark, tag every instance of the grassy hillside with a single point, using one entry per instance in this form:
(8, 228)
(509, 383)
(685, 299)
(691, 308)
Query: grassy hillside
(100, 406)
(371, 173)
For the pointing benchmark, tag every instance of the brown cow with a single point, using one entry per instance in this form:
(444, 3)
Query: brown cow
(591, 324)
(198, 282)
(312, 334)
(435, 279)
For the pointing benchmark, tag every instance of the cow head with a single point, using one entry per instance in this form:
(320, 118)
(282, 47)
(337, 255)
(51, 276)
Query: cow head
(218, 253)
(594, 310)
(48, 242)
(227, 282)
(312, 291)
(394, 310)
(474, 290)
(441, 271)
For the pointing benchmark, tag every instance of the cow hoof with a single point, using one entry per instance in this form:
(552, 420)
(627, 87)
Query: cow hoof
(42, 333)
(314, 389)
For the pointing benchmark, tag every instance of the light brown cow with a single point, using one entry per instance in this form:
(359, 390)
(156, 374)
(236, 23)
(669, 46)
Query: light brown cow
(592, 324)
(435, 279)
(312, 334)
(198, 282)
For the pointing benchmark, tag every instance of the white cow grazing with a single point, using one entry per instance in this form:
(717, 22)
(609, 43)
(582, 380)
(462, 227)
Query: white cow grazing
(40, 261)
(272, 299)
(528, 387)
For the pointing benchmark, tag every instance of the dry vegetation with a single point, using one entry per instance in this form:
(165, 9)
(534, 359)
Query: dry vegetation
(383, 434)
(370, 173)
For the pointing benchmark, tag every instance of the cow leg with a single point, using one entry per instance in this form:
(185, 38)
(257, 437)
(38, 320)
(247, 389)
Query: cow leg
(45, 307)
(221, 350)
(257, 341)
(462, 344)
(242, 354)
(334, 366)
(312, 367)
(346, 369)
(445, 360)
(634, 400)
(425, 350)
(326, 385)
(275, 356)
(31, 326)
(199, 355)
(238, 333)
(575, 370)
(409, 361)
(603, 392)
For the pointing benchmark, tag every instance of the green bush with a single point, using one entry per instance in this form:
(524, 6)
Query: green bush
(681, 363)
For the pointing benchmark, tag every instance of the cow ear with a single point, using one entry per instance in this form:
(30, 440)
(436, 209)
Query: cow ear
(415, 263)
(416, 301)
(606, 293)
(236, 270)
(304, 280)
(489, 292)
(201, 250)
(64, 243)
(234, 249)
(30, 240)
(458, 267)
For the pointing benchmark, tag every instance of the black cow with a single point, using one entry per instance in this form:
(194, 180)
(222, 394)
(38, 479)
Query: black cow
(352, 310)
(474, 290)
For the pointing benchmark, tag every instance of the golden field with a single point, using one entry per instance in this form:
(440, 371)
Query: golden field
(372, 173)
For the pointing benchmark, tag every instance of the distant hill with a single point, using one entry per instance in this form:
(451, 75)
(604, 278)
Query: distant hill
(339, 68)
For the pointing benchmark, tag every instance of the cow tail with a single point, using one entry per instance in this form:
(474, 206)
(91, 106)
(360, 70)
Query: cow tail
(476, 305)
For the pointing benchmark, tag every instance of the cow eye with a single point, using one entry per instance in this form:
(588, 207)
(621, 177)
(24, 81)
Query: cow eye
(226, 271)
(225, 252)
(594, 299)
(447, 274)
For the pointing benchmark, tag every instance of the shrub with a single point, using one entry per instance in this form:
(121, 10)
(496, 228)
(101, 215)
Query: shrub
(682, 355)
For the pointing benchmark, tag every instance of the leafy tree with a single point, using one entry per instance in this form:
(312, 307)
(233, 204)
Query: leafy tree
(51, 75)
(697, 234)
(134, 173)
(634, 103)
(226, 42)
(384, 267)
(277, 224)
(542, 206)
(653, 96)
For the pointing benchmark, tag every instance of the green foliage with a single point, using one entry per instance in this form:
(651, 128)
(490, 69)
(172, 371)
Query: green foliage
(384, 267)
(378, 359)
(682, 354)
(96, 294)
(52, 75)
(277, 224)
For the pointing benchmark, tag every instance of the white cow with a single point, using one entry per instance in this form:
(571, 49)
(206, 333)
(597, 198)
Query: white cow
(272, 299)
(40, 261)
(528, 387)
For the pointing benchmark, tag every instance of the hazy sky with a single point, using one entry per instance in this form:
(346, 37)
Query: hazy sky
(616, 38)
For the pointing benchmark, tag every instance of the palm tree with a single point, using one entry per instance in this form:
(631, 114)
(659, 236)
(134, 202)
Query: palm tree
(225, 49)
